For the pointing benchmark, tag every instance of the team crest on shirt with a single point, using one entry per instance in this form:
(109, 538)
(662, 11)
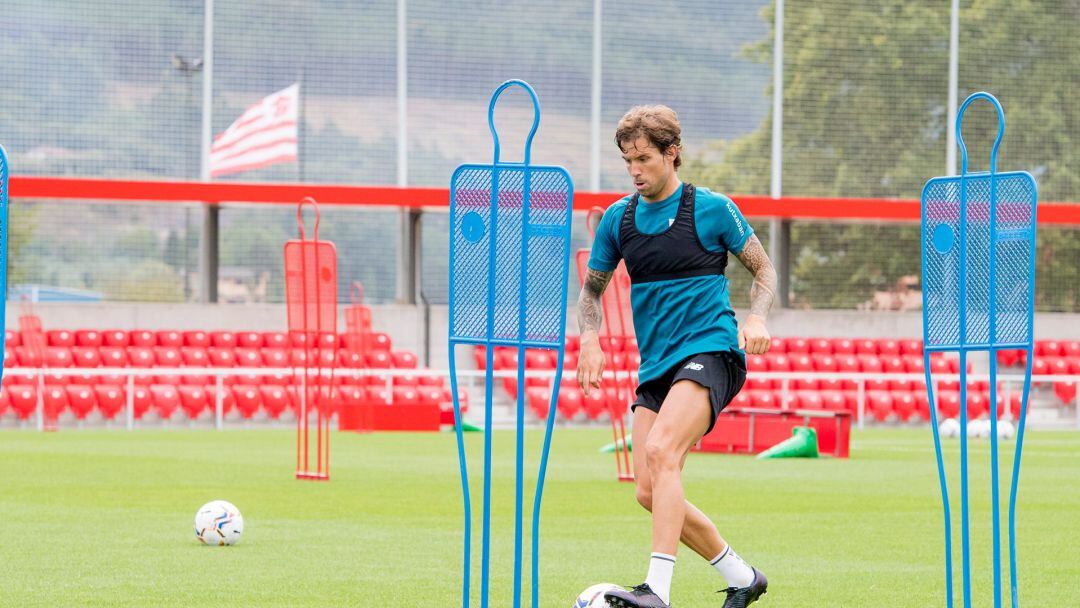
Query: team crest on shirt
(697, 367)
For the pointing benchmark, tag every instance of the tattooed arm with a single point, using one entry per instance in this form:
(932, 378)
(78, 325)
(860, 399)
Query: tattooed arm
(590, 315)
(753, 336)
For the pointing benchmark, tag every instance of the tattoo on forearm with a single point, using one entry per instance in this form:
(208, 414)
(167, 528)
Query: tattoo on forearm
(590, 312)
(763, 291)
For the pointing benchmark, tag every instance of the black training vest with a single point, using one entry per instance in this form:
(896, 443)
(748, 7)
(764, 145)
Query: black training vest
(676, 253)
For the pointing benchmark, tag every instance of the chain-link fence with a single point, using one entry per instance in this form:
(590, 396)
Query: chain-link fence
(115, 88)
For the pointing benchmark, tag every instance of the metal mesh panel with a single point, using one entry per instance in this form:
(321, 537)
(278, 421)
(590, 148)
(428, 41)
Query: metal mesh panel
(977, 262)
(1011, 278)
(547, 259)
(472, 195)
(1014, 255)
(546, 264)
(942, 273)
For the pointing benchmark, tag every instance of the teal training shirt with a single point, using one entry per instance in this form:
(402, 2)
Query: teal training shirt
(678, 318)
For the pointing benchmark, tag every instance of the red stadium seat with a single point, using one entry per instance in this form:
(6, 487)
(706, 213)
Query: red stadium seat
(169, 337)
(866, 346)
(888, 347)
(10, 359)
(914, 364)
(825, 363)
(110, 400)
(617, 362)
(223, 339)
(277, 339)
(29, 357)
(194, 356)
(1048, 348)
(168, 356)
(821, 346)
(275, 400)
(142, 337)
(350, 360)
(766, 399)
(911, 347)
(12, 338)
(406, 395)
(89, 337)
(275, 357)
(58, 356)
(797, 346)
(595, 404)
(197, 338)
(948, 403)
(870, 364)
(60, 337)
(1039, 367)
(777, 345)
(228, 400)
(116, 338)
(573, 343)
(170, 379)
(140, 356)
(248, 357)
(893, 364)
(85, 356)
(379, 360)
(221, 356)
(113, 356)
(193, 400)
(55, 400)
(23, 399)
(570, 360)
(380, 342)
(538, 399)
(880, 405)
(570, 402)
(834, 401)
(404, 359)
(247, 400)
(743, 399)
(843, 346)
(142, 400)
(905, 405)
(809, 400)
(249, 339)
(166, 399)
(1071, 350)
(1066, 392)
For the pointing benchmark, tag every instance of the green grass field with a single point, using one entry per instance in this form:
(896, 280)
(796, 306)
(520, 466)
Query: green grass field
(104, 518)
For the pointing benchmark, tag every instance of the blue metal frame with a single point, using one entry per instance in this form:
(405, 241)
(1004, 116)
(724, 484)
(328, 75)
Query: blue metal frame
(992, 346)
(4, 220)
(490, 341)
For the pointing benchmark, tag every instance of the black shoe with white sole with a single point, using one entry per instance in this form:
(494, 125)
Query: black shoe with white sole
(743, 597)
(641, 596)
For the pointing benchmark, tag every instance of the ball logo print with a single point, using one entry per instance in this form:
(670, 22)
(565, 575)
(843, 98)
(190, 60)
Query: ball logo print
(218, 523)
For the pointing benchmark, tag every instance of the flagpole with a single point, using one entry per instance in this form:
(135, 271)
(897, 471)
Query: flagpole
(300, 126)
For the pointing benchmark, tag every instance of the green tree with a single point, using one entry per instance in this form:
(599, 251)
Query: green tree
(865, 115)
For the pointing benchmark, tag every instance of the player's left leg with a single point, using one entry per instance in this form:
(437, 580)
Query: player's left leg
(683, 419)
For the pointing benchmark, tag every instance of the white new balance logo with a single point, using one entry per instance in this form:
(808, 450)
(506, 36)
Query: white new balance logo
(697, 367)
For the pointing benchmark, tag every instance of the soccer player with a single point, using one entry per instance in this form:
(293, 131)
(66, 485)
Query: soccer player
(675, 240)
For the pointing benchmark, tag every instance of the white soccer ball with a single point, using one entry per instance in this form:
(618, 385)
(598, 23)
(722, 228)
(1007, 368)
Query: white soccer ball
(1005, 429)
(949, 428)
(593, 597)
(218, 523)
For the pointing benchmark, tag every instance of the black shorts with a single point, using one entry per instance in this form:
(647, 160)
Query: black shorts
(723, 373)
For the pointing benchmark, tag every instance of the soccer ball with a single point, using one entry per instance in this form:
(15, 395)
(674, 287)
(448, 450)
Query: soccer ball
(593, 597)
(1005, 429)
(218, 523)
(949, 428)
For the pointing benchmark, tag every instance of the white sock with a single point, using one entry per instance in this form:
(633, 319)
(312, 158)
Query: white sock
(661, 566)
(734, 569)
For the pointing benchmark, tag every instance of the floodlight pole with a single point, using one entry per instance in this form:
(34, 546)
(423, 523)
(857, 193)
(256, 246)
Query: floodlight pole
(209, 255)
(779, 230)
